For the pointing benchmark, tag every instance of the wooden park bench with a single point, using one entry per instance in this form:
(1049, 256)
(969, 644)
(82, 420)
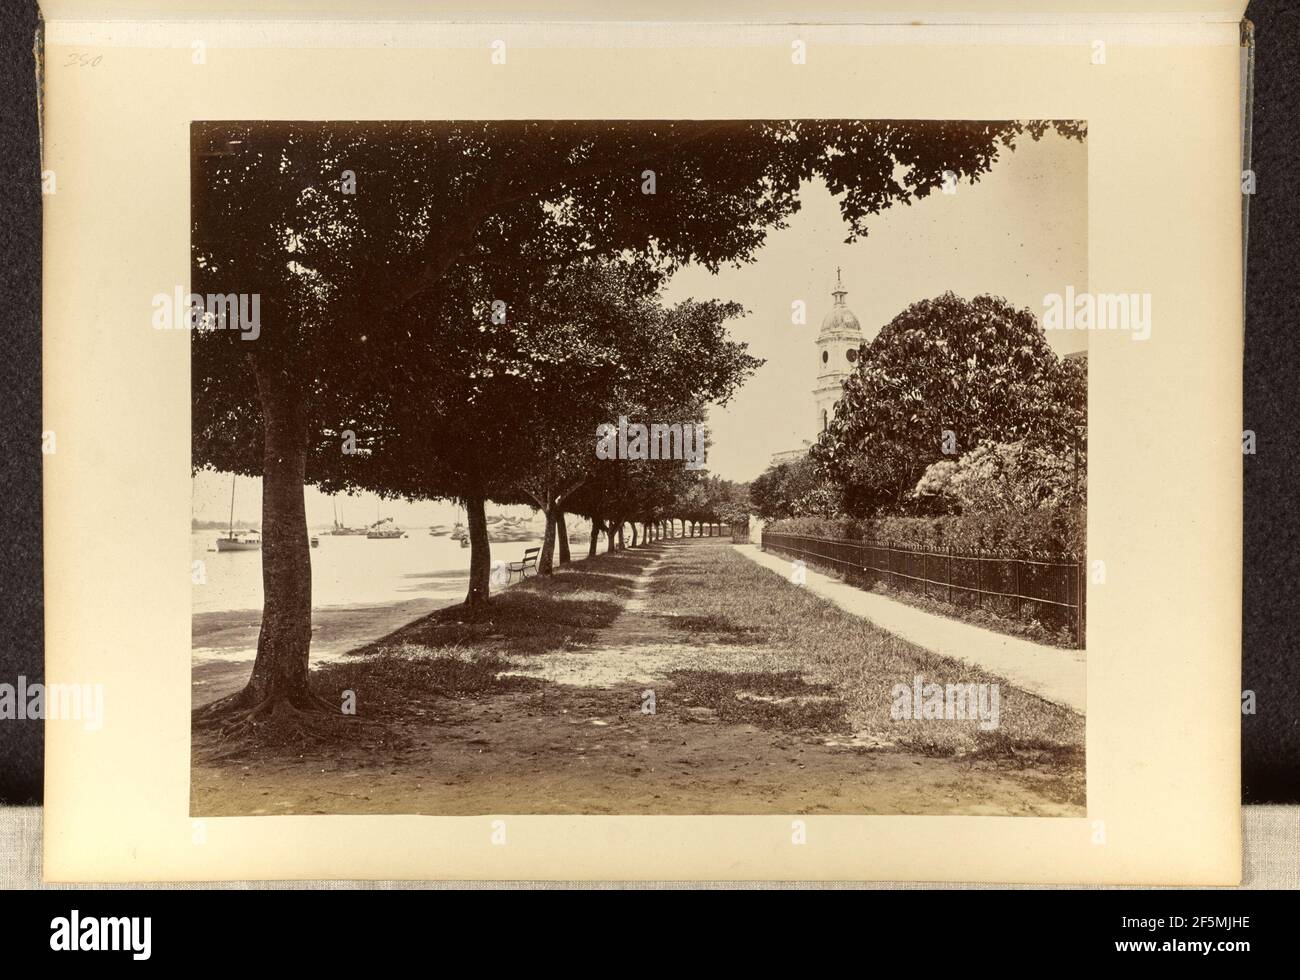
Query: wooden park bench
(523, 567)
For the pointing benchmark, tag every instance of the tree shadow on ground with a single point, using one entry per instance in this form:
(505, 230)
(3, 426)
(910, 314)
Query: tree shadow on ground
(573, 582)
(539, 615)
(712, 629)
(776, 700)
(393, 684)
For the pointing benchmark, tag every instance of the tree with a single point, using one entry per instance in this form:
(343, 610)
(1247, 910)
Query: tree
(669, 363)
(437, 205)
(944, 376)
(794, 489)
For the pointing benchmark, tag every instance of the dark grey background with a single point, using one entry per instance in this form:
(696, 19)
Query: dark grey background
(1270, 606)
(22, 632)
(1271, 738)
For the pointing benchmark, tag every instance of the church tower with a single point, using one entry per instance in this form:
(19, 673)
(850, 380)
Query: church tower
(837, 354)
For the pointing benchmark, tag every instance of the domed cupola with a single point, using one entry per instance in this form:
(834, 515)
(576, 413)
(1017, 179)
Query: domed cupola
(840, 320)
(837, 354)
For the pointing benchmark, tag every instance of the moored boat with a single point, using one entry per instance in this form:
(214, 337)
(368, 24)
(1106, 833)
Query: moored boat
(250, 540)
(342, 529)
(510, 529)
(385, 530)
(240, 541)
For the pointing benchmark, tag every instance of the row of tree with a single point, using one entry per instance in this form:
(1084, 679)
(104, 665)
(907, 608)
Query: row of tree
(467, 299)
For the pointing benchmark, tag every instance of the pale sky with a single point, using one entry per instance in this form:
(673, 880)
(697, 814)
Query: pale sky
(1020, 233)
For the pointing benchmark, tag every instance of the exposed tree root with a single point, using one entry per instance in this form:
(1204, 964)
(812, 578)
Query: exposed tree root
(472, 611)
(277, 720)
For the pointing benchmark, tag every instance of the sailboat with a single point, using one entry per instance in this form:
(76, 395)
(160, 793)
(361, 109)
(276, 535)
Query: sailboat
(341, 528)
(461, 533)
(384, 529)
(243, 541)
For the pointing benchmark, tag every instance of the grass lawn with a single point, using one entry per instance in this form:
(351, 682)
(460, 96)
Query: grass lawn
(678, 677)
(710, 593)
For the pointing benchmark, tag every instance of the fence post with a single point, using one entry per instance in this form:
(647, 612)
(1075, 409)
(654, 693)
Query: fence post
(950, 575)
(1016, 614)
(1080, 591)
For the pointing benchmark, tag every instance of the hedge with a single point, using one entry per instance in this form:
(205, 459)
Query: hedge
(1050, 531)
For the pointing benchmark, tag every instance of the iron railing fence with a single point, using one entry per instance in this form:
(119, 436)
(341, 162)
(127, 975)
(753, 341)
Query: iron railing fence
(1026, 586)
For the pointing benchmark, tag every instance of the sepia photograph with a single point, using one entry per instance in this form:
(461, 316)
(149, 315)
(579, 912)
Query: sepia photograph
(609, 467)
(649, 447)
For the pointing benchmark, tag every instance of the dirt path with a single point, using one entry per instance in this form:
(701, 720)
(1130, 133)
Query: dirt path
(632, 720)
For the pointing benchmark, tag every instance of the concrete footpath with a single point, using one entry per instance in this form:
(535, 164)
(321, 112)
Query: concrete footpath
(1054, 674)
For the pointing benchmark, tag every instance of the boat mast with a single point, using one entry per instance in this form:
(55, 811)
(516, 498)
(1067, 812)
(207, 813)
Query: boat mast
(231, 532)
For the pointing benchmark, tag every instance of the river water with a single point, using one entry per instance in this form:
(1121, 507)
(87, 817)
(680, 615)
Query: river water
(361, 589)
(345, 570)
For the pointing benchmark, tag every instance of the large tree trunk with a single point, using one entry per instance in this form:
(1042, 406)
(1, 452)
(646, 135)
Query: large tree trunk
(546, 560)
(278, 684)
(562, 533)
(609, 536)
(621, 545)
(284, 642)
(634, 537)
(595, 537)
(480, 553)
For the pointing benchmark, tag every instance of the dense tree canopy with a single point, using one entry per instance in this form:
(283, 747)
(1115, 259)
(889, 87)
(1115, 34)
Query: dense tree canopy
(942, 377)
(514, 419)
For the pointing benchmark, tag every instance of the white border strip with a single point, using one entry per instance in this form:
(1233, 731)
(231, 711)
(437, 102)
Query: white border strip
(423, 34)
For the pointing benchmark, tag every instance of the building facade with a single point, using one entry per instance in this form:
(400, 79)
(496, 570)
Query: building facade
(837, 347)
(837, 354)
